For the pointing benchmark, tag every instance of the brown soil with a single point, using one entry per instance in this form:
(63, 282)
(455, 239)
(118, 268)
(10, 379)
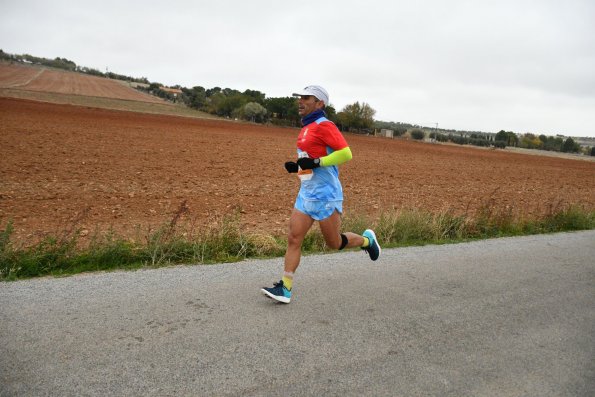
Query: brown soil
(131, 171)
(41, 79)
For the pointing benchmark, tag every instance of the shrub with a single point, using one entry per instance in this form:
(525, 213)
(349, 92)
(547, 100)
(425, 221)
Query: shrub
(570, 146)
(418, 134)
(459, 140)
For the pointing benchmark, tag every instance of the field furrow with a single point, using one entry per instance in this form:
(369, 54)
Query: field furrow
(129, 171)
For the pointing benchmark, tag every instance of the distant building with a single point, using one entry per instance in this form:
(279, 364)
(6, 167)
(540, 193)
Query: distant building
(386, 133)
(174, 91)
(134, 84)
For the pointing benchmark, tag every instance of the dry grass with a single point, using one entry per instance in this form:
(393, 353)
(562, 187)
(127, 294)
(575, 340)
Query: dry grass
(225, 240)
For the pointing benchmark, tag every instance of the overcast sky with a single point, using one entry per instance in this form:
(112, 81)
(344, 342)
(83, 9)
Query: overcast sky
(517, 65)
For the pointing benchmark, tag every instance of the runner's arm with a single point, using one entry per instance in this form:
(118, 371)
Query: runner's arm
(337, 157)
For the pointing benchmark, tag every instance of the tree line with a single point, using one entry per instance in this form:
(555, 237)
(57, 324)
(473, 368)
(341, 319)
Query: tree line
(542, 142)
(66, 64)
(255, 106)
(508, 138)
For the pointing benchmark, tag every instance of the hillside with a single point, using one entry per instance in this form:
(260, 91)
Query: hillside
(46, 84)
(43, 79)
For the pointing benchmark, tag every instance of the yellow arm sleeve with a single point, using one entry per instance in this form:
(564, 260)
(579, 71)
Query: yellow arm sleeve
(337, 157)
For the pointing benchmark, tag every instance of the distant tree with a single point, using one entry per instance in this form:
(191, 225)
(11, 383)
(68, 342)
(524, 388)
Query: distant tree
(459, 140)
(230, 92)
(418, 134)
(356, 116)
(5, 56)
(479, 136)
(543, 139)
(255, 96)
(282, 107)
(557, 143)
(212, 91)
(60, 63)
(226, 106)
(502, 136)
(254, 112)
(593, 151)
(439, 137)
(196, 97)
(570, 146)
(331, 113)
(214, 102)
(552, 143)
(513, 139)
(508, 137)
(91, 71)
(530, 141)
(342, 120)
(155, 89)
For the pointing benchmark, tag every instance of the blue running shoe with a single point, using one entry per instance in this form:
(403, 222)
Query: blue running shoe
(374, 248)
(278, 292)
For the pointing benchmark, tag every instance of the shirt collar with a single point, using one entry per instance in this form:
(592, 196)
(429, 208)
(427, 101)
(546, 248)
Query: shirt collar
(312, 117)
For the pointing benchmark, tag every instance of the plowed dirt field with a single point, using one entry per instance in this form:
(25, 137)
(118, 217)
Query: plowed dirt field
(131, 171)
(36, 78)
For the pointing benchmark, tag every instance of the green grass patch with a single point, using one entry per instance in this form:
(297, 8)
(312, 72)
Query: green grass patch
(225, 241)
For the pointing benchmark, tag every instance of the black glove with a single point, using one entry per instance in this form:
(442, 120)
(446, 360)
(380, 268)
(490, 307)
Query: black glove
(291, 167)
(306, 163)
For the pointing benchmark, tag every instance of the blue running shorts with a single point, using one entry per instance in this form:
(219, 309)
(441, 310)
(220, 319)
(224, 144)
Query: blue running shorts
(318, 210)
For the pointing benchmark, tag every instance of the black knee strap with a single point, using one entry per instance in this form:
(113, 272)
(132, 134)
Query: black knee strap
(344, 241)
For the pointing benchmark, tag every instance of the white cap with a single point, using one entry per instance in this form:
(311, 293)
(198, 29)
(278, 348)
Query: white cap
(315, 90)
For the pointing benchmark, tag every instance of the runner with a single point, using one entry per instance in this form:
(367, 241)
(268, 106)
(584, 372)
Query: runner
(321, 148)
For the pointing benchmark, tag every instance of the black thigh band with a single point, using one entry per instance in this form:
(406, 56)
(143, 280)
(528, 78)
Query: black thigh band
(344, 241)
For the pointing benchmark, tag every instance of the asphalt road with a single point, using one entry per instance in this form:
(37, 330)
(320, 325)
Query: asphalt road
(503, 317)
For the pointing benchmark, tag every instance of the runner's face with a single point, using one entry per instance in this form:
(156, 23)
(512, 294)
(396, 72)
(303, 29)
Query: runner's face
(307, 104)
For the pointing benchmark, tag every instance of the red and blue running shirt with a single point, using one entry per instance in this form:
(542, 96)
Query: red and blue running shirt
(320, 139)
